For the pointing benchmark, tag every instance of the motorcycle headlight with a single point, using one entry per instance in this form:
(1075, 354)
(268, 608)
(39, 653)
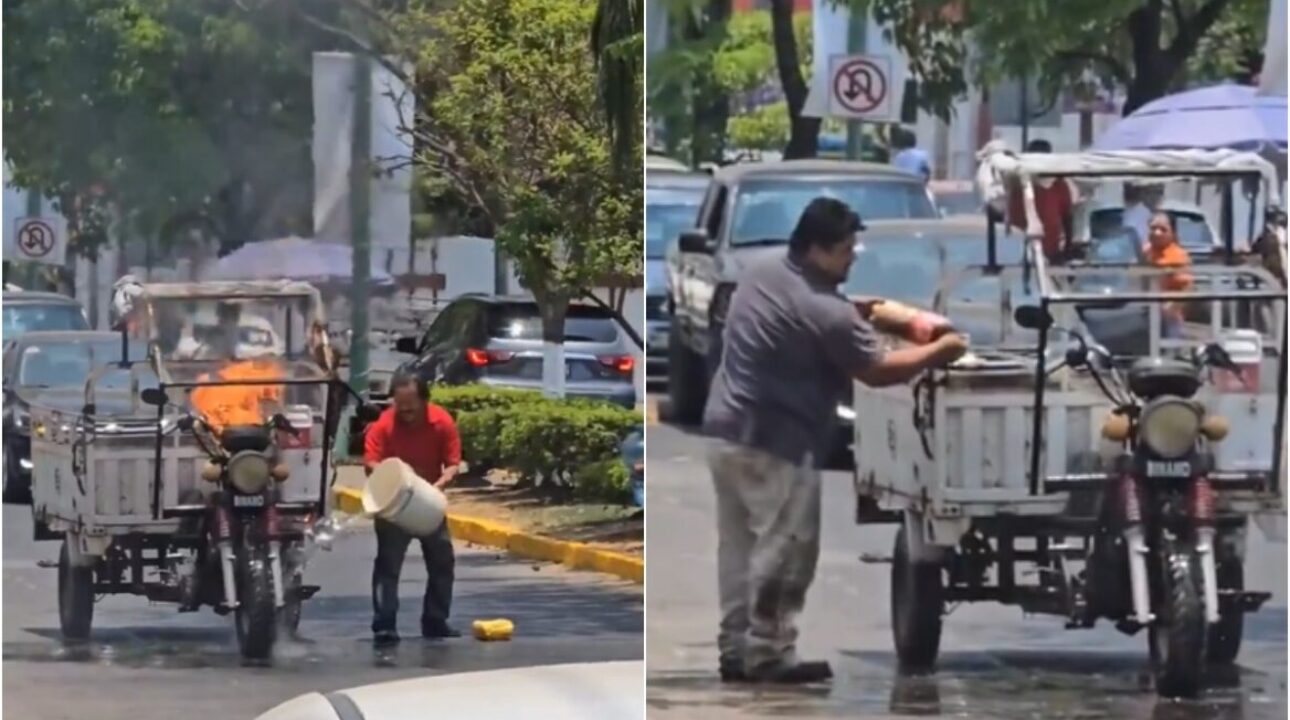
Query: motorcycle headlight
(249, 472)
(1169, 427)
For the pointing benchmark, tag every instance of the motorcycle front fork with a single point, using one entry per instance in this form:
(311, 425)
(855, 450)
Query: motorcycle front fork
(1201, 506)
(228, 556)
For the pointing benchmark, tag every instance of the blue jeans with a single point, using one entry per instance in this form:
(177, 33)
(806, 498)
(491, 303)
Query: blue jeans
(391, 549)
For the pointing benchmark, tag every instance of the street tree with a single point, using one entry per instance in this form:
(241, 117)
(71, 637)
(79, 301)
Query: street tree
(618, 46)
(509, 121)
(1145, 47)
(742, 68)
(168, 117)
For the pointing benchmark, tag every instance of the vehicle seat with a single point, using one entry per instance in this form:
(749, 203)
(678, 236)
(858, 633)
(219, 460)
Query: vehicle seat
(237, 438)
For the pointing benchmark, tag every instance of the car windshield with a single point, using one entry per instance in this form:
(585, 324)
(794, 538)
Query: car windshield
(20, 318)
(979, 305)
(768, 210)
(581, 324)
(958, 202)
(69, 363)
(910, 267)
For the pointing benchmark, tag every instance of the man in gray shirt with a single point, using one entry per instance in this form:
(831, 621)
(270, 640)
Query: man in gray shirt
(791, 346)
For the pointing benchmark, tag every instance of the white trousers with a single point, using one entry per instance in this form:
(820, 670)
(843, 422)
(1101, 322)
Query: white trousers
(768, 525)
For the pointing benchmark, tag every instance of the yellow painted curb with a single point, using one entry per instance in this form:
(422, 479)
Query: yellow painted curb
(575, 555)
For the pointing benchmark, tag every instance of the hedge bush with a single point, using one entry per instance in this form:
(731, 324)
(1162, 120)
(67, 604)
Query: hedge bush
(566, 442)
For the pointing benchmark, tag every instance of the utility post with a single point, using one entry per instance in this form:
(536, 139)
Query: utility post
(31, 272)
(360, 222)
(857, 28)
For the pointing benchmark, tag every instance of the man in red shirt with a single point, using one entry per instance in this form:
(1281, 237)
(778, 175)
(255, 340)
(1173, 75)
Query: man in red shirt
(1053, 204)
(424, 436)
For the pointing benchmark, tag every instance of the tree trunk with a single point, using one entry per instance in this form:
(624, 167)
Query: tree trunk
(554, 307)
(1156, 67)
(804, 132)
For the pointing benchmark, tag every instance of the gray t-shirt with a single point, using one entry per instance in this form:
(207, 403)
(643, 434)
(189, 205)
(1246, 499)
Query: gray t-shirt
(791, 347)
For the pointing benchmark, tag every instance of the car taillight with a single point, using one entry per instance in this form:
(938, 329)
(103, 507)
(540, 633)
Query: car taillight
(622, 363)
(480, 358)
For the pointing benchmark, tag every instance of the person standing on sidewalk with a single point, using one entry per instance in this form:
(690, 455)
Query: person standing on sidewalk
(424, 436)
(792, 346)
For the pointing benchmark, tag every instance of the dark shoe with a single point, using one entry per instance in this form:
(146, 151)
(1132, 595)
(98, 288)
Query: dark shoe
(385, 638)
(440, 631)
(732, 671)
(801, 673)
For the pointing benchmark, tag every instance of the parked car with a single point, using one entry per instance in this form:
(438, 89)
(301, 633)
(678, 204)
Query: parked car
(581, 691)
(498, 341)
(256, 335)
(749, 213)
(49, 369)
(26, 312)
(672, 201)
(956, 197)
(632, 452)
(1198, 236)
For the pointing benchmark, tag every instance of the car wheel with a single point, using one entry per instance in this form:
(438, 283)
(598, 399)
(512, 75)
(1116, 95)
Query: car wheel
(687, 380)
(17, 491)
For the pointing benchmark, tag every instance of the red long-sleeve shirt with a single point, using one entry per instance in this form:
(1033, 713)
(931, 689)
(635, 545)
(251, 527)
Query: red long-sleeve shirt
(428, 447)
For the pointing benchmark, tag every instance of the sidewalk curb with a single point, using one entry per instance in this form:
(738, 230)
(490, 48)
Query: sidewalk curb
(574, 555)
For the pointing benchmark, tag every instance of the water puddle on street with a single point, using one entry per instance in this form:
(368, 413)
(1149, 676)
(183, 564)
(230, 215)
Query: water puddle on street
(1085, 686)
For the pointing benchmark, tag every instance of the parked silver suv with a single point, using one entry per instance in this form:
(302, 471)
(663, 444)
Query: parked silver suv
(498, 341)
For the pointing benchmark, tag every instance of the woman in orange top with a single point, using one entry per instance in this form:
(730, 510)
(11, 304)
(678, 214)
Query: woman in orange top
(1164, 251)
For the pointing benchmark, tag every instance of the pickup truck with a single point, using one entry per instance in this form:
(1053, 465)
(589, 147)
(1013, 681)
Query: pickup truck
(748, 213)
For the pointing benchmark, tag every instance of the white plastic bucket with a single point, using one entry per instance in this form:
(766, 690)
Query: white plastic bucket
(397, 494)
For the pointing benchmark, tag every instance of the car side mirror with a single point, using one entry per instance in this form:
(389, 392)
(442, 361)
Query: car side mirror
(155, 397)
(406, 345)
(1033, 317)
(695, 241)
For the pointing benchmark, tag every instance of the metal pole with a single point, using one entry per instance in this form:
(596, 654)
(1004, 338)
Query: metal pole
(856, 31)
(1025, 111)
(33, 211)
(360, 186)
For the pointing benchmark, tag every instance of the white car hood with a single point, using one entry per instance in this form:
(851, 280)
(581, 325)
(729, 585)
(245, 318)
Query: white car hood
(593, 691)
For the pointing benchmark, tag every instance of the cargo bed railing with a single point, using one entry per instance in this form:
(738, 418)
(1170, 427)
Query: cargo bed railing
(1050, 296)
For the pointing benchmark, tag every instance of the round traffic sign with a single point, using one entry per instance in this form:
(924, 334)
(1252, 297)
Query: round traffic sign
(859, 86)
(35, 238)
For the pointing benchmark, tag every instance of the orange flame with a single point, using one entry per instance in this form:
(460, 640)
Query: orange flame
(230, 405)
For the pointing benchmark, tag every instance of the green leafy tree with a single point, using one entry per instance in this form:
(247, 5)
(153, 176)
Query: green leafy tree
(618, 46)
(738, 67)
(684, 94)
(1143, 46)
(510, 122)
(167, 116)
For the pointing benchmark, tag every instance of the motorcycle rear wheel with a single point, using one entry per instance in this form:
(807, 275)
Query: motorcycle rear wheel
(1178, 636)
(256, 617)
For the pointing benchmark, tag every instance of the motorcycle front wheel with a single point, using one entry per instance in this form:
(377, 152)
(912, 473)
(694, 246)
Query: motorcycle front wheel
(256, 617)
(1178, 635)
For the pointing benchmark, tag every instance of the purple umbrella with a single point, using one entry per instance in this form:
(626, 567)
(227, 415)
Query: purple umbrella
(292, 258)
(1222, 116)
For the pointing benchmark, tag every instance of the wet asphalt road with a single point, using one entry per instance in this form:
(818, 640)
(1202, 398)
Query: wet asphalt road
(148, 661)
(995, 663)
